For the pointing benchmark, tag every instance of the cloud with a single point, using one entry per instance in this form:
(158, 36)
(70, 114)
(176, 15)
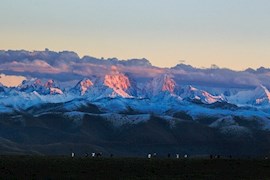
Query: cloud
(217, 78)
(34, 66)
(66, 66)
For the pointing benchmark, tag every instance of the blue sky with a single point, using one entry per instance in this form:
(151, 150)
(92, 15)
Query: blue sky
(229, 33)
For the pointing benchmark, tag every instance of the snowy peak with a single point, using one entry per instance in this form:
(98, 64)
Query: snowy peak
(83, 86)
(32, 82)
(200, 95)
(53, 87)
(36, 85)
(259, 96)
(118, 82)
(54, 91)
(262, 95)
(31, 85)
(168, 84)
(50, 83)
(162, 83)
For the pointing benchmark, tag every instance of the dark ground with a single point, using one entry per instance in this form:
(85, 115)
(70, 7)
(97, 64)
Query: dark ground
(42, 167)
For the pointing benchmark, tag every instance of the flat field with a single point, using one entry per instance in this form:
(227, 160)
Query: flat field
(43, 167)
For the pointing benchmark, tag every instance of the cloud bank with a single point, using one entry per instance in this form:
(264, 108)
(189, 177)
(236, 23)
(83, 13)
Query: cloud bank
(67, 66)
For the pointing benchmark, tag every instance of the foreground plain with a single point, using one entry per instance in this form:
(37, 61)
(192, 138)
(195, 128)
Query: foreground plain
(41, 167)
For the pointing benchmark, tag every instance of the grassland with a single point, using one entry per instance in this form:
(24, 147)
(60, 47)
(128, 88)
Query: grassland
(41, 167)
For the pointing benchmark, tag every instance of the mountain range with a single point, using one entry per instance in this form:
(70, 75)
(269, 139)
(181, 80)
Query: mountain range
(131, 107)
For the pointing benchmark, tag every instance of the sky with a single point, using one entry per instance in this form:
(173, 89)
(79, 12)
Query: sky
(8, 80)
(229, 33)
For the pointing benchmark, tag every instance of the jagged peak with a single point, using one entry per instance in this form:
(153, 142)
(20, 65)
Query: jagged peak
(53, 87)
(54, 91)
(201, 95)
(261, 94)
(168, 84)
(34, 84)
(50, 83)
(117, 81)
(86, 81)
(30, 82)
(163, 83)
(84, 85)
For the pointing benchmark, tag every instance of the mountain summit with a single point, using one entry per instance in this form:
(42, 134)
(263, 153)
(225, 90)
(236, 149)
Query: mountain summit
(118, 82)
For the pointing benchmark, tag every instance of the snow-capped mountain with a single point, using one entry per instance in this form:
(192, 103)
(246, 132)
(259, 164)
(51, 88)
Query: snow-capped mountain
(53, 87)
(161, 84)
(113, 84)
(133, 87)
(82, 86)
(36, 85)
(31, 85)
(119, 83)
(259, 96)
(162, 88)
(199, 95)
(113, 103)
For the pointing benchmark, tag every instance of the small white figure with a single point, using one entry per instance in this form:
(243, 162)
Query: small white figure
(72, 154)
(93, 154)
(177, 156)
(185, 156)
(149, 156)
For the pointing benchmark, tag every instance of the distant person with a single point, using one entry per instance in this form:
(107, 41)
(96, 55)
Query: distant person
(72, 154)
(149, 156)
(177, 156)
(185, 156)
